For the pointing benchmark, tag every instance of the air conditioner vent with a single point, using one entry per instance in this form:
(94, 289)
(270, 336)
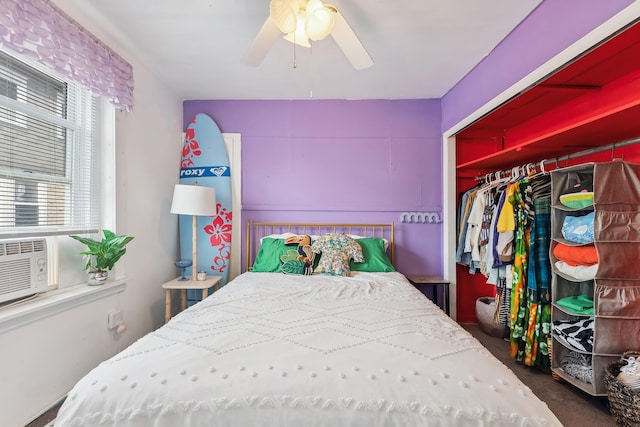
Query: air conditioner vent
(22, 247)
(39, 245)
(23, 267)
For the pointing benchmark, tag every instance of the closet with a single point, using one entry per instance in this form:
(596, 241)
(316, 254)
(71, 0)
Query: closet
(590, 103)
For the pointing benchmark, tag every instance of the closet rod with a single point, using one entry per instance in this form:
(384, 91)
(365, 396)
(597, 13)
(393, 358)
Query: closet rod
(541, 163)
(594, 150)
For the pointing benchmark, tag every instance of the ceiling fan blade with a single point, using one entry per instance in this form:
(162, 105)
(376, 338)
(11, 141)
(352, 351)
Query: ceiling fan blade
(349, 43)
(266, 37)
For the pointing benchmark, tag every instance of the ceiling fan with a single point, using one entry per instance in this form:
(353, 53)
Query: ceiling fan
(302, 21)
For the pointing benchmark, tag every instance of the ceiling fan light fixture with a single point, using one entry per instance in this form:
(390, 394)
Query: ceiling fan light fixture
(285, 14)
(299, 36)
(319, 23)
(290, 17)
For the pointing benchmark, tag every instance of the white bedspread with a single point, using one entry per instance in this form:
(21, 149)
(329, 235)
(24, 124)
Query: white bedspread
(294, 351)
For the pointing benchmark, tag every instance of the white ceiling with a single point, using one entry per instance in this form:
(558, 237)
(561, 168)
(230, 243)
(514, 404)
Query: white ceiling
(421, 48)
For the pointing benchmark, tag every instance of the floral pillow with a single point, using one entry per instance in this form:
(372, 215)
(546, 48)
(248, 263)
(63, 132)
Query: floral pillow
(336, 251)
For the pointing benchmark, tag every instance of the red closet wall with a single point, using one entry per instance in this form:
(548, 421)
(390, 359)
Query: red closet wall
(594, 101)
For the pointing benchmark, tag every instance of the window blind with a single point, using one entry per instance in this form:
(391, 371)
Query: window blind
(49, 166)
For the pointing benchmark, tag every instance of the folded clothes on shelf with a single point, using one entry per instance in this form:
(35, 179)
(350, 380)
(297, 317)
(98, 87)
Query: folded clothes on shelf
(576, 255)
(577, 333)
(579, 304)
(579, 193)
(580, 273)
(578, 229)
(577, 200)
(578, 366)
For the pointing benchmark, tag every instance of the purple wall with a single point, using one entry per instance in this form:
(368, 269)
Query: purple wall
(547, 31)
(341, 161)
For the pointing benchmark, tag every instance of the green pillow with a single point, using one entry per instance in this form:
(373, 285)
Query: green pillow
(375, 257)
(268, 259)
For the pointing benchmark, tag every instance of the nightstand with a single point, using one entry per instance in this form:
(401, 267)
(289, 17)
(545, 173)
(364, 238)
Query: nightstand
(185, 285)
(435, 283)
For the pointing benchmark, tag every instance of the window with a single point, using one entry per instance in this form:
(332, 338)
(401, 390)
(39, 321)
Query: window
(49, 162)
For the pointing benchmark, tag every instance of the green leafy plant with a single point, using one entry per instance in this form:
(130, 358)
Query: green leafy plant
(103, 254)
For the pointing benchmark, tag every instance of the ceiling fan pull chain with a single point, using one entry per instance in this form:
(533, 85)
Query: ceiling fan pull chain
(311, 70)
(295, 63)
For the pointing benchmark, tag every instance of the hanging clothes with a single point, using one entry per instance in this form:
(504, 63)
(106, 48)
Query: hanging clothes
(475, 219)
(504, 233)
(516, 196)
(463, 256)
(539, 276)
(531, 294)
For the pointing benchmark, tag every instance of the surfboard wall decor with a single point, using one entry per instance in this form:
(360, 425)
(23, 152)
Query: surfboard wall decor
(205, 162)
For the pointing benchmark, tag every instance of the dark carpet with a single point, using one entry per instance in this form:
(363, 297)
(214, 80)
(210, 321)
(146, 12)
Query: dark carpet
(573, 407)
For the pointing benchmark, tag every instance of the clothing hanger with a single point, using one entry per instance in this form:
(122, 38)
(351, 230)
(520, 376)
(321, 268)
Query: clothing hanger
(542, 171)
(542, 167)
(516, 174)
(531, 169)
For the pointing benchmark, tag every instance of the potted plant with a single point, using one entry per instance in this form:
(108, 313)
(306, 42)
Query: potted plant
(102, 254)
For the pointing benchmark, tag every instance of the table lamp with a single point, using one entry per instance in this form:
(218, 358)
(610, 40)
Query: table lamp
(196, 201)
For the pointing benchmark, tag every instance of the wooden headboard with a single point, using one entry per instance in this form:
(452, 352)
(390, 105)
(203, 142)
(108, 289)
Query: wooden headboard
(258, 230)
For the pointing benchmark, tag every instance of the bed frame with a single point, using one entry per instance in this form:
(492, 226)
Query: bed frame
(258, 230)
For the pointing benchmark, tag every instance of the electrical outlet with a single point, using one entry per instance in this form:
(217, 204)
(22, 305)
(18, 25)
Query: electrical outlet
(114, 319)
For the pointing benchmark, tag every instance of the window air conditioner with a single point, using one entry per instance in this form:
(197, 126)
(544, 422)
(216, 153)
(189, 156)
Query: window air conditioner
(23, 267)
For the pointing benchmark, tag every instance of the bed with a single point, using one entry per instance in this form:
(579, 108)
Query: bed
(273, 349)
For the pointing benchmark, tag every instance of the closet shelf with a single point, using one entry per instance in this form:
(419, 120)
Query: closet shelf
(562, 207)
(566, 277)
(569, 242)
(586, 387)
(568, 312)
(599, 131)
(568, 346)
(596, 118)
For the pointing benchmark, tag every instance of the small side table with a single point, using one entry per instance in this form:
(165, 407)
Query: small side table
(435, 282)
(184, 285)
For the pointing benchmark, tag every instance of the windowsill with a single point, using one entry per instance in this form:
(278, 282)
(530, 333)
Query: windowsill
(54, 302)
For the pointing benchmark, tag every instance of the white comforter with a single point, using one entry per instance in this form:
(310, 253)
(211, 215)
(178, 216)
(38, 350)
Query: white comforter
(294, 351)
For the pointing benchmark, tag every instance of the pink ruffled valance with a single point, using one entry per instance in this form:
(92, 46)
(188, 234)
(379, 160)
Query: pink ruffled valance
(40, 30)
